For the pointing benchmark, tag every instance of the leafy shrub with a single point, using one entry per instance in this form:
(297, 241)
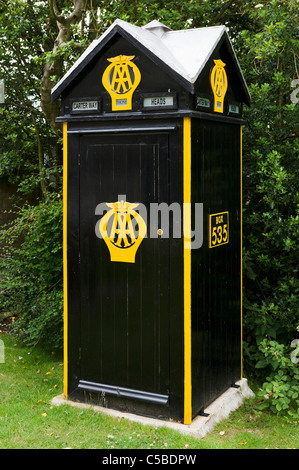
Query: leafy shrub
(31, 272)
(271, 197)
(280, 391)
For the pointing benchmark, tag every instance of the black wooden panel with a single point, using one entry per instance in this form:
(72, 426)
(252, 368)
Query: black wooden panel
(176, 281)
(73, 280)
(216, 330)
(144, 350)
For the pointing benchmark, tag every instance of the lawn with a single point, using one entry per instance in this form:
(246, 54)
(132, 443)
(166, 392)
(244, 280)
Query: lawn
(31, 377)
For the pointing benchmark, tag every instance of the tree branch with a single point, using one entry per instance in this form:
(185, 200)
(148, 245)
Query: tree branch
(74, 17)
(55, 13)
(225, 7)
(40, 158)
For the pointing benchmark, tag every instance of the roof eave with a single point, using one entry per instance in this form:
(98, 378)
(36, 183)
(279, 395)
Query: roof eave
(65, 82)
(247, 95)
(186, 82)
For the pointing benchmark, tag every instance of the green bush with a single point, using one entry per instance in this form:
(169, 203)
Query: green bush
(280, 391)
(31, 272)
(271, 202)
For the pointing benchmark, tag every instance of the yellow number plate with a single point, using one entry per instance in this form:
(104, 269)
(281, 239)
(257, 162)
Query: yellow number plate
(219, 229)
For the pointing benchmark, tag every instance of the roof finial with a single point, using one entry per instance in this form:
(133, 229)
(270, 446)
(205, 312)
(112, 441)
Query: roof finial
(157, 28)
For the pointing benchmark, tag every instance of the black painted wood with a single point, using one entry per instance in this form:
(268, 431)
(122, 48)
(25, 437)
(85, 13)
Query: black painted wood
(216, 296)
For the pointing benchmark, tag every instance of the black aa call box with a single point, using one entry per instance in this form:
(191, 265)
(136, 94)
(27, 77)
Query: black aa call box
(152, 219)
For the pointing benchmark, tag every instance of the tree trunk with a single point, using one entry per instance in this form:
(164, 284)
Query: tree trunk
(55, 68)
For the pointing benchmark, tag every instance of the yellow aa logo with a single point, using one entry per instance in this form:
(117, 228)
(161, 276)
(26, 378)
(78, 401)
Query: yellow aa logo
(219, 85)
(122, 229)
(120, 79)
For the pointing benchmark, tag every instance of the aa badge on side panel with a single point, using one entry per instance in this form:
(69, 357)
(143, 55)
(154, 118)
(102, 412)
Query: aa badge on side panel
(219, 85)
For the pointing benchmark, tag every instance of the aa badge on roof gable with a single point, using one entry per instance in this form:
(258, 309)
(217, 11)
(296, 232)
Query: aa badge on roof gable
(121, 79)
(219, 85)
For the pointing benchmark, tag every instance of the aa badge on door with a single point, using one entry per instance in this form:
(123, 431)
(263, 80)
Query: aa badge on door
(122, 229)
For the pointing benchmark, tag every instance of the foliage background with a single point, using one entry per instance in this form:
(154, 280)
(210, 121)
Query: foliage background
(39, 41)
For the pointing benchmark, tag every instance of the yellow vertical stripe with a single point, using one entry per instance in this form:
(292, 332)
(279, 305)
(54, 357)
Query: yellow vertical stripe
(241, 241)
(65, 309)
(187, 272)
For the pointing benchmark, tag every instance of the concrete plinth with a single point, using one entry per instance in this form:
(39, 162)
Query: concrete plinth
(219, 410)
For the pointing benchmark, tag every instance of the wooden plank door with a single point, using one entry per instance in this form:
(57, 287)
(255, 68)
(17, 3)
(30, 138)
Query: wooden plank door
(124, 304)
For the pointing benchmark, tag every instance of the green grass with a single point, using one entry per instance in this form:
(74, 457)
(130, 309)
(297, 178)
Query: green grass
(30, 377)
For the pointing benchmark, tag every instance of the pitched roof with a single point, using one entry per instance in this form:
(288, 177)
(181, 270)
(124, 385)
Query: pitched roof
(183, 52)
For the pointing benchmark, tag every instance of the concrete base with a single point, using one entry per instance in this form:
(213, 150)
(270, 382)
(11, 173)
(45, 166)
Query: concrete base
(219, 410)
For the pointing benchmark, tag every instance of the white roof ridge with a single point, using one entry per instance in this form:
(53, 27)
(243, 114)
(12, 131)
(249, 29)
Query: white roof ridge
(190, 56)
(153, 44)
(196, 29)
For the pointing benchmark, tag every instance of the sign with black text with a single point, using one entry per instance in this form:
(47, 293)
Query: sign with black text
(219, 229)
